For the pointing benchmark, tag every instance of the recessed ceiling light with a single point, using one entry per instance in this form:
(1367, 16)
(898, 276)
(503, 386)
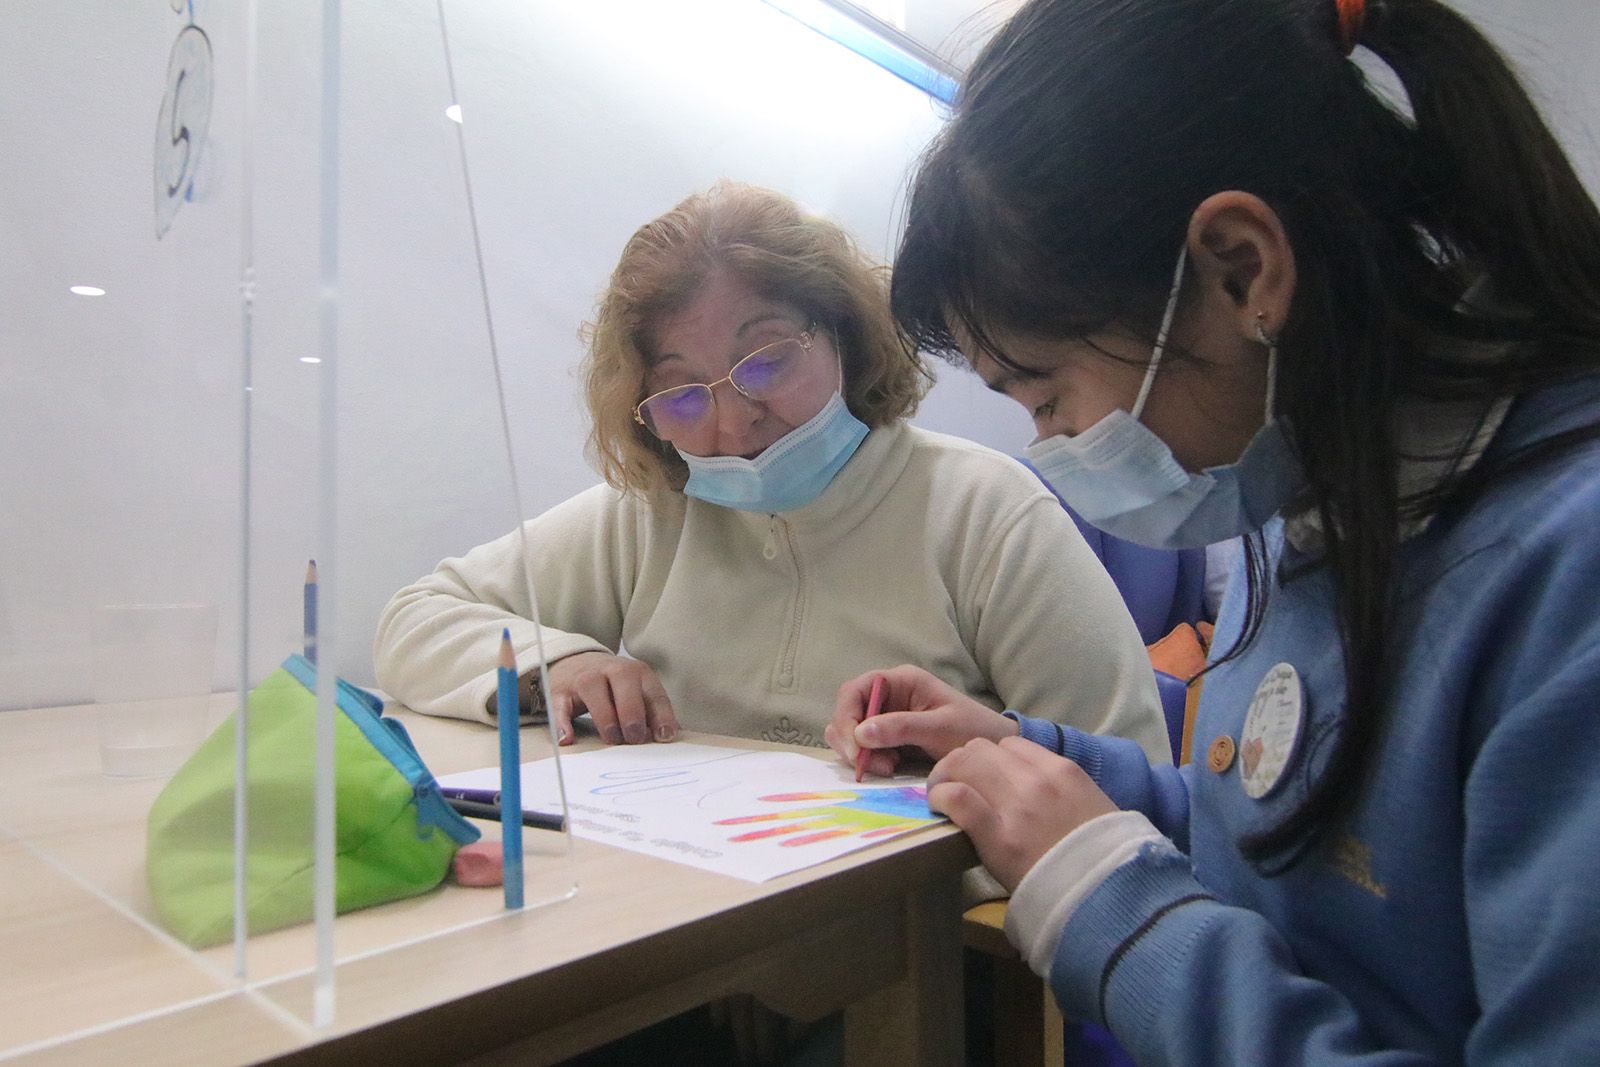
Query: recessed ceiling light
(310, 359)
(453, 112)
(87, 290)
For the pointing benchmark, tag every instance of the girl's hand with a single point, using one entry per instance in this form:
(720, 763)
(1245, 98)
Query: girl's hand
(623, 697)
(921, 714)
(1015, 800)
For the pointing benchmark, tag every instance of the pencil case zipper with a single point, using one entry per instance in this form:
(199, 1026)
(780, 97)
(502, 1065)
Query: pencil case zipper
(390, 738)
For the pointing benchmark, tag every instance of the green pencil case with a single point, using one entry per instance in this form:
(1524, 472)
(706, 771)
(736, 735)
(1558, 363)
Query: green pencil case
(395, 834)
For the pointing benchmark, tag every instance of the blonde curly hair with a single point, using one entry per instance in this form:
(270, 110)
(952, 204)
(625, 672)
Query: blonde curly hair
(764, 239)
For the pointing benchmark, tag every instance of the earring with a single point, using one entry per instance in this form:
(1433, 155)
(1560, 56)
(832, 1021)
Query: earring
(1261, 330)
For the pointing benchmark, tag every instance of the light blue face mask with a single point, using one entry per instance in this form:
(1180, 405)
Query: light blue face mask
(1123, 479)
(790, 473)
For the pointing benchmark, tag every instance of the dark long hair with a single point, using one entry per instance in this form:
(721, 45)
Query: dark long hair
(1088, 131)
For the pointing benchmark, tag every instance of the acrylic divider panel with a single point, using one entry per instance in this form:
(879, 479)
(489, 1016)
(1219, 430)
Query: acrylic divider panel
(413, 467)
(202, 396)
(121, 462)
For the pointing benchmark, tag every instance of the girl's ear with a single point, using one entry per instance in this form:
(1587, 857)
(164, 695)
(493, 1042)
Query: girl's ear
(1237, 246)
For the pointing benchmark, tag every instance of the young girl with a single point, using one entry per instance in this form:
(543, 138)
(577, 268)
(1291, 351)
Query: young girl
(1241, 292)
(771, 525)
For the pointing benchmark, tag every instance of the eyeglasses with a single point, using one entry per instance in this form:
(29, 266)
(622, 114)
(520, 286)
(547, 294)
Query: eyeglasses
(762, 375)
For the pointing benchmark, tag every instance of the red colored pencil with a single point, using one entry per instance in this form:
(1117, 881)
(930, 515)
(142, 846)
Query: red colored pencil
(874, 705)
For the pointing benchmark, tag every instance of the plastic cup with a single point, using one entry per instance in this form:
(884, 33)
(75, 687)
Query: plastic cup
(152, 681)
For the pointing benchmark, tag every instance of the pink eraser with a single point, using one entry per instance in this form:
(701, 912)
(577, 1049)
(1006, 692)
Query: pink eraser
(478, 864)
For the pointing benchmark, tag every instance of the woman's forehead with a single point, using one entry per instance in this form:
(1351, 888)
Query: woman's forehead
(717, 324)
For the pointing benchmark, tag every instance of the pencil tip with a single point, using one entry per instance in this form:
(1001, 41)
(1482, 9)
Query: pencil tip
(508, 657)
(311, 571)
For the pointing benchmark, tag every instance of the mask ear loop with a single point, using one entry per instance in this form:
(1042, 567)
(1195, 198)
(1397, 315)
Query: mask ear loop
(1161, 334)
(838, 355)
(1272, 365)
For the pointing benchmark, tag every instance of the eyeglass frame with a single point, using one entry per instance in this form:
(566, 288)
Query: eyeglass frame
(806, 340)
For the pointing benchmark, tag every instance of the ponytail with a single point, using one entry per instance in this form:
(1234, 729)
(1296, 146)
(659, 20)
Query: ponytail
(1492, 179)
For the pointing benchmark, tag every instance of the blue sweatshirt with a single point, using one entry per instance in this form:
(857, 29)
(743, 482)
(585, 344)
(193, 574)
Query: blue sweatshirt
(1456, 918)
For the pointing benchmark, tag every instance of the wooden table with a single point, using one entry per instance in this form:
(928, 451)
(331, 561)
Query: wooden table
(449, 977)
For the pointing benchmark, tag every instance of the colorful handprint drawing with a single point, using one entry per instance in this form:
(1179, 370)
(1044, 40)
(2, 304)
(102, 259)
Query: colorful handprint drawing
(872, 813)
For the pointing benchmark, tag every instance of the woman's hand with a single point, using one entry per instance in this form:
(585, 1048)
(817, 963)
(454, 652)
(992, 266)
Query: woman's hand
(623, 697)
(920, 714)
(1015, 800)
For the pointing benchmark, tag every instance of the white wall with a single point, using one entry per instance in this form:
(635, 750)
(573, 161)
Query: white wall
(120, 415)
(1553, 43)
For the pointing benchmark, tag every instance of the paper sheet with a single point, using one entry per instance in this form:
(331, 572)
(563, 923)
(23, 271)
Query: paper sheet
(750, 814)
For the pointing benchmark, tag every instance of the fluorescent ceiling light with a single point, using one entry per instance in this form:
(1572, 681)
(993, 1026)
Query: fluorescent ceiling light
(87, 290)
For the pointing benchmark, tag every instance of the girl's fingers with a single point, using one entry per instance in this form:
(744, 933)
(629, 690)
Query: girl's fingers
(905, 688)
(982, 766)
(967, 808)
(936, 731)
(884, 763)
(849, 708)
(910, 693)
(894, 729)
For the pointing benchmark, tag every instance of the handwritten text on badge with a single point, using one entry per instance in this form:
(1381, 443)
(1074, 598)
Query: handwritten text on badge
(1271, 731)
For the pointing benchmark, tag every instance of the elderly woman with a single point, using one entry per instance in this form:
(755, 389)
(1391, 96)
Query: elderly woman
(770, 526)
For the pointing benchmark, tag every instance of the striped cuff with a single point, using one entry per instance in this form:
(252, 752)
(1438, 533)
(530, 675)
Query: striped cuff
(1077, 746)
(1073, 868)
(1042, 732)
(1129, 910)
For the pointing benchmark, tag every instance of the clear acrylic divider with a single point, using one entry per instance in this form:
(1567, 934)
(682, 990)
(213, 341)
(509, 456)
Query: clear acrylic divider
(411, 468)
(174, 452)
(120, 464)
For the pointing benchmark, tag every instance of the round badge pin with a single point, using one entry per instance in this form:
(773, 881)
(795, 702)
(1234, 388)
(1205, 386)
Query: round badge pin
(1272, 729)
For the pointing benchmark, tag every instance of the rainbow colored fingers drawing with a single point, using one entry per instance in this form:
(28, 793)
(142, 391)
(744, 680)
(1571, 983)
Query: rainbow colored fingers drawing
(869, 813)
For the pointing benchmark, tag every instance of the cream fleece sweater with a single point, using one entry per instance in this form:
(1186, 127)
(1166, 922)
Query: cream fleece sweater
(925, 549)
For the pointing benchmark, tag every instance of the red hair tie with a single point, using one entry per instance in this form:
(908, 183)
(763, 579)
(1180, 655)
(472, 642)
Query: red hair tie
(1352, 14)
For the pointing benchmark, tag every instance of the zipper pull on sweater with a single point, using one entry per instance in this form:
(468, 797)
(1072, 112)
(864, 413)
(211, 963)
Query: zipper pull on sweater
(770, 549)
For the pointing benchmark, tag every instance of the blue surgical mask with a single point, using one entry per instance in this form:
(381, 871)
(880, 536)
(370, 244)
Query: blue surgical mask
(790, 473)
(1123, 479)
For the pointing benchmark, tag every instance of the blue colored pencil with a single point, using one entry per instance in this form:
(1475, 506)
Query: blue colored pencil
(310, 612)
(509, 713)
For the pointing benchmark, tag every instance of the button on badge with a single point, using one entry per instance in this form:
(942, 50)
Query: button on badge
(1219, 756)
